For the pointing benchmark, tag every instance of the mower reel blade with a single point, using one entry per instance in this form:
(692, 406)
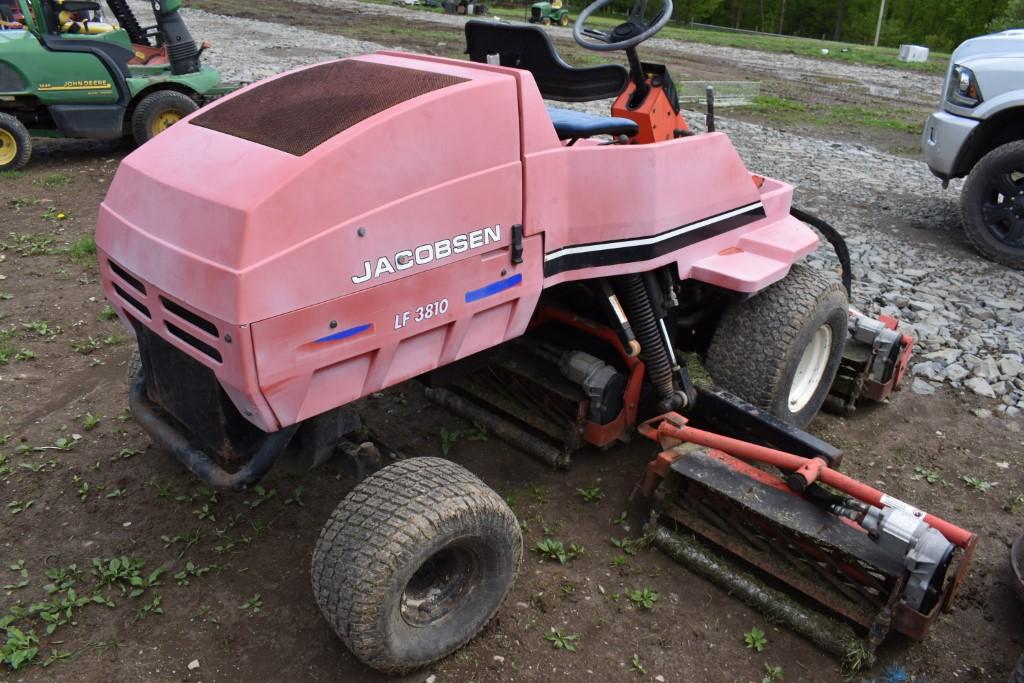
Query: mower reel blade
(875, 360)
(867, 568)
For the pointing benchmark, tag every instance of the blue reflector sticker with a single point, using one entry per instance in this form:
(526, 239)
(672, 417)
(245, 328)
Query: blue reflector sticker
(344, 334)
(493, 288)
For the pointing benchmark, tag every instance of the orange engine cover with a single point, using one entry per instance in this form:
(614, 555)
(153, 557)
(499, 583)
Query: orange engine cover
(656, 117)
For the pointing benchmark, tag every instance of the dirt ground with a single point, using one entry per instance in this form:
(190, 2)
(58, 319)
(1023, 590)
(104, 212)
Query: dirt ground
(81, 484)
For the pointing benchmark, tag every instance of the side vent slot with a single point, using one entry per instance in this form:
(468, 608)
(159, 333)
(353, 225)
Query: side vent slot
(193, 341)
(132, 301)
(133, 281)
(187, 315)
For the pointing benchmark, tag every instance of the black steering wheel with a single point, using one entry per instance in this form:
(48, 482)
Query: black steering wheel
(635, 30)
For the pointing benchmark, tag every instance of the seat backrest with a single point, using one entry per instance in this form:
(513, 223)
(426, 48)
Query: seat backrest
(530, 48)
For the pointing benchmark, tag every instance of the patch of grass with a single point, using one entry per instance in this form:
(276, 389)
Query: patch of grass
(636, 665)
(771, 673)
(54, 180)
(29, 244)
(108, 312)
(84, 248)
(12, 175)
(785, 111)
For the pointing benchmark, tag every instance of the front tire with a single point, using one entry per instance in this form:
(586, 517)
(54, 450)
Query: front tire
(158, 111)
(15, 143)
(414, 562)
(992, 205)
(781, 349)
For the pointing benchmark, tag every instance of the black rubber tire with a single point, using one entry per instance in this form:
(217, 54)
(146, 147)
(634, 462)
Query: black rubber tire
(134, 364)
(1018, 673)
(384, 531)
(979, 189)
(564, 21)
(757, 346)
(22, 142)
(155, 105)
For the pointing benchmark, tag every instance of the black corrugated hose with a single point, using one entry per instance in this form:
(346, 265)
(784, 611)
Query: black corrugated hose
(645, 326)
(834, 238)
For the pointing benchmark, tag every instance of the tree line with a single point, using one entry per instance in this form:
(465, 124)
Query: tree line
(938, 24)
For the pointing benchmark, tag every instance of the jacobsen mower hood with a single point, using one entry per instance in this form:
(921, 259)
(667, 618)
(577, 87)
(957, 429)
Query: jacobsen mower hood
(294, 189)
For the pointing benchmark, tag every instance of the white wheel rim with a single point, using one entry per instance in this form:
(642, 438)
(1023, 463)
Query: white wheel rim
(811, 369)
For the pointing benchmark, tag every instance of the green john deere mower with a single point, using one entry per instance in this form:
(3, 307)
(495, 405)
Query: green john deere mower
(64, 72)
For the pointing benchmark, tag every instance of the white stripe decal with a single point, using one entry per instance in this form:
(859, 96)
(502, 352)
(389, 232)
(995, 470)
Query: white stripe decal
(644, 241)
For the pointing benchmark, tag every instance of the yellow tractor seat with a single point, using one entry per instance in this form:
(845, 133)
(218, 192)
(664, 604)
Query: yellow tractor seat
(70, 22)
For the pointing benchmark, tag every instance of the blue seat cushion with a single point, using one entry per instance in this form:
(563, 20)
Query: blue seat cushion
(575, 124)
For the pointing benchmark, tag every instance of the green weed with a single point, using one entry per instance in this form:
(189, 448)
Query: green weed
(591, 494)
(977, 483)
(755, 639)
(552, 549)
(474, 433)
(644, 598)
(562, 641)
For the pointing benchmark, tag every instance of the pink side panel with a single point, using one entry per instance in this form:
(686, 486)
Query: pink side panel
(616, 192)
(301, 377)
(236, 371)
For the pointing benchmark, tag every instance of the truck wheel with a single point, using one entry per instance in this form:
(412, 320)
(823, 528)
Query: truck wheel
(414, 562)
(992, 205)
(780, 350)
(15, 143)
(158, 111)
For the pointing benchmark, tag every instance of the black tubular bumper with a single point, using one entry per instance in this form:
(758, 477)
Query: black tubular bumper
(166, 435)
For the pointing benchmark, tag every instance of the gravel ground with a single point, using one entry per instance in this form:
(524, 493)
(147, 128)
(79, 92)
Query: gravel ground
(910, 260)
(889, 83)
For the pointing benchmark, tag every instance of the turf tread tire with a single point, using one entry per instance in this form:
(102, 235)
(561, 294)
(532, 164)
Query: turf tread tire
(971, 198)
(152, 105)
(758, 342)
(376, 538)
(22, 138)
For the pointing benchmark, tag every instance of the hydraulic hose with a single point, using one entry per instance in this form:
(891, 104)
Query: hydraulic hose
(637, 303)
(126, 18)
(835, 239)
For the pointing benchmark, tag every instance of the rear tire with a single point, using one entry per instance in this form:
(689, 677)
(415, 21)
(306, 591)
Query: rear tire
(158, 111)
(15, 143)
(992, 205)
(781, 349)
(414, 562)
(564, 21)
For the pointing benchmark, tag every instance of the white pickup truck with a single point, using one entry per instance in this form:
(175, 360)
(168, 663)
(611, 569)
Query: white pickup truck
(979, 133)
